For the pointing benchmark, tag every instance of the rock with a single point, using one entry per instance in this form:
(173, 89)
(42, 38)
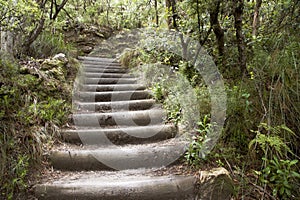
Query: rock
(87, 49)
(50, 63)
(57, 73)
(119, 36)
(60, 56)
(24, 70)
(214, 184)
(58, 60)
(98, 34)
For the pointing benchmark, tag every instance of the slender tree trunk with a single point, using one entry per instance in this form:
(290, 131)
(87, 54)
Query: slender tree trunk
(198, 20)
(7, 42)
(255, 22)
(238, 24)
(174, 14)
(215, 24)
(58, 8)
(51, 9)
(33, 35)
(201, 39)
(169, 17)
(7, 39)
(107, 11)
(156, 13)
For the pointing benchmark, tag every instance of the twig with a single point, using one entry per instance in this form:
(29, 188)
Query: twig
(229, 167)
(263, 190)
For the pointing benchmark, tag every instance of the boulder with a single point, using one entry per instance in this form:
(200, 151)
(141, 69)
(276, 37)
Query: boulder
(57, 73)
(61, 57)
(58, 60)
(214, 184)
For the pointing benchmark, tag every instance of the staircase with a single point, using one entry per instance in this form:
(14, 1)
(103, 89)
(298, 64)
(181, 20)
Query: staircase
(119, 142)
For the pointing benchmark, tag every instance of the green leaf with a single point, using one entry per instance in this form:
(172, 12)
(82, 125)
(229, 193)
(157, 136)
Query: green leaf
(288, 192)
(272, 178)
(295, 174)
(275, 191)
(279, 171)
(286, 184)
(287, 129)
(265, 181)
(267, 170)
(281, 191)
(293, 162)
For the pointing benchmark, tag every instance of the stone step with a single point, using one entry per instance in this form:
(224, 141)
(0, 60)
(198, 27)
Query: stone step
(112, 96)
(114, 106)
(97, 59)
(126, 118)
(90, 64)
(108, 81)
(110, 157)
(128, 141)
(101, 65)
(111, 87)
(121, 185)
(120, 135)
(106, 75)
(104, 70)
(144, 184)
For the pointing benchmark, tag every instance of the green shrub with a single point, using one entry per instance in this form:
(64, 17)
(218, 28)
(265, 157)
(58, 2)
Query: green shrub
(281, 176)
(193, 154)
(31, 112)
(270, 141)
(158, 92)
(241, 117)
(129, 58)
(49, 44)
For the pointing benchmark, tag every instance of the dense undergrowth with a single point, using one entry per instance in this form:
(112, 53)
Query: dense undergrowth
(35, 100)
(260, 139)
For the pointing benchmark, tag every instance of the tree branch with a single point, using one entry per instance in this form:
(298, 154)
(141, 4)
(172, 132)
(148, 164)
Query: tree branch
(256, 17)
(58, 8)
(215, 24)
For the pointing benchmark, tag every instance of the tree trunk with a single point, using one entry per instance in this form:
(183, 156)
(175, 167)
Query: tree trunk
(174, 14)
(7, 42)
(58, 8)
(255, 23)
(238, 24)
(215, 24)
(156, 13)
(7, 39)
(169, 17)
(198, 20)
(107, 11)
(33, 35)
